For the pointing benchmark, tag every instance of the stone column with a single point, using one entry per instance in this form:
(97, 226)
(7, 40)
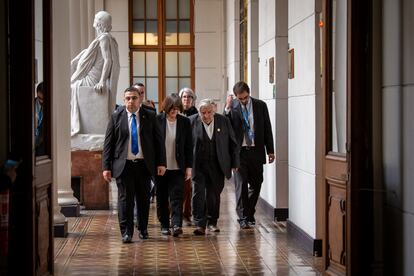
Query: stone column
(61, 111)
(282, 115)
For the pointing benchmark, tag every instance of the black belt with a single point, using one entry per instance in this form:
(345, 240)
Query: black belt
(247, 148)
(135, 160)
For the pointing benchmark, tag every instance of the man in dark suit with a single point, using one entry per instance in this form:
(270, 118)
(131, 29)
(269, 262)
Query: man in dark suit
(133, 151)
(251, 123)
(215, 155)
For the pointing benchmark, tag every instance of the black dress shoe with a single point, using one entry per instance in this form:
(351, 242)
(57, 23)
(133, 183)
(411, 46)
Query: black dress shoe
(126, 238)
(143, 235)
(177, 230)
(199, 231)
(213, 228)
(244, 225)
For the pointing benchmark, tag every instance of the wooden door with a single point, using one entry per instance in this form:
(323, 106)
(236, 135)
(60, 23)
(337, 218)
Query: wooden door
(336, 159)
(347, 108)
(31, 240)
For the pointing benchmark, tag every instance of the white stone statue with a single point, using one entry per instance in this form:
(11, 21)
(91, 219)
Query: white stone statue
(94, 80)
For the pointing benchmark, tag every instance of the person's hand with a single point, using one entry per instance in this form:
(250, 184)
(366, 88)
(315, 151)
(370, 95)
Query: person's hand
(229, 101)
(107, 175)
(271, 157)
(234, 169)
(188, 173)
(100, 87)
(161, 170)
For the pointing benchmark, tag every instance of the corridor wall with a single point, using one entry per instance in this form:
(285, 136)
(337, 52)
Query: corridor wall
(398, 134)
(303, 39)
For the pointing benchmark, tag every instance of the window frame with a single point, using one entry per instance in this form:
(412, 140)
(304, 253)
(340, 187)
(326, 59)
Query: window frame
(161, 48)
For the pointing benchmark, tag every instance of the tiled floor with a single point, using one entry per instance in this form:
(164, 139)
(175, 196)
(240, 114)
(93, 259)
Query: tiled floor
(94, 247)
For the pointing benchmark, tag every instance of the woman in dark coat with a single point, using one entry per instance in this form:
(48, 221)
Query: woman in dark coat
(177, 136)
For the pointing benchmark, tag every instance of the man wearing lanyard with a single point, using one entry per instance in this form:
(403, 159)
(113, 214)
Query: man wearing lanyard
(133, 151)
(251, 124)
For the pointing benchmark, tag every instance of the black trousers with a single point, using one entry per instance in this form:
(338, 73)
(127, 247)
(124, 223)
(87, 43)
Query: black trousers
(134, 183)
(248, 182)
(170, 189)
(208, 183)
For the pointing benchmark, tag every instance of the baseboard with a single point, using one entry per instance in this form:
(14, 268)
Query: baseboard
(60, 230)
(275, 214)
(311, 245)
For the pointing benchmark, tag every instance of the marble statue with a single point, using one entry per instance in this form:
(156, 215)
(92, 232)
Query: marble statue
(94, 80)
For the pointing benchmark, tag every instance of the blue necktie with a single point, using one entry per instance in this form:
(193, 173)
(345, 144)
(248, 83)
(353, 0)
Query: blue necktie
(134, 136)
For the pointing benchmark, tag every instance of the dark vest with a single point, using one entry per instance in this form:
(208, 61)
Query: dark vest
(208, 149)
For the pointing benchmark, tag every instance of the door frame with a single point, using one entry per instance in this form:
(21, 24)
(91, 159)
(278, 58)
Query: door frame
(31, 216)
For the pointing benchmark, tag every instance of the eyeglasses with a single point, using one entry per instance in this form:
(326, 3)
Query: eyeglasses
(186, 96)
(134, 98)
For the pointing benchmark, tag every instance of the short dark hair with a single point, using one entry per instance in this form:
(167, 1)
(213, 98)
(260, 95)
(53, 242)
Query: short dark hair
(40, 88)
(240, 87)
(172, 101)
(149, 103)
(131, 89)
(139, 84)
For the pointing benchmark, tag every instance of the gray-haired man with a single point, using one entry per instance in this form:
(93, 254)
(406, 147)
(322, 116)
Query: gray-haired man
(216, 154)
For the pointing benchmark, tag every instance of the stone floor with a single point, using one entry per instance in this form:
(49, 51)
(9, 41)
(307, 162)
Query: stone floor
(94, 247)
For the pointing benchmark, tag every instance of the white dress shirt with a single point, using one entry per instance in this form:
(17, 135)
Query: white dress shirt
(170, 147)
(209, 129)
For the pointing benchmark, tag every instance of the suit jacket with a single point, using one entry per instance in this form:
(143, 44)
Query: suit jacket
(183, 140)
(115, 149)
(226, 145)
(263, 136)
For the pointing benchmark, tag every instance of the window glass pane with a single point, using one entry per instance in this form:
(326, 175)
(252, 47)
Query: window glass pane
(184, 9)
(152, 89)
(138, 9)
(171, 85)
(171, 64)
(184, 64)
(184, 82)
(339, 75)
(171, 33)
(171, 9)
(152, 64)
(138, 63)
(184, 36)
(138, 33)
(141, 80)
(152, 33)
(152, 9)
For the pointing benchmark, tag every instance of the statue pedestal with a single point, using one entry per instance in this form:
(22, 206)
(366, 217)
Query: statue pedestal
(94, 189)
